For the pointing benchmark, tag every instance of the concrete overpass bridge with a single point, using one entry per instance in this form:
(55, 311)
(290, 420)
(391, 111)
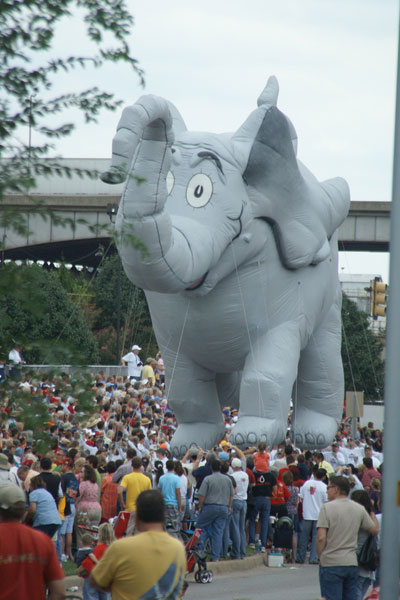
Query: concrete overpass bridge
(88, 205)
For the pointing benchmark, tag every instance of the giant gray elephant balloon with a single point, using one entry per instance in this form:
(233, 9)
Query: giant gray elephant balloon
(238, 258)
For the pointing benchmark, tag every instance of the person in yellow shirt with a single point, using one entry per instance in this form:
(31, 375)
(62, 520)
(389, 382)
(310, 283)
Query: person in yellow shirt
(134, 483)
(323, 464)
(148, 371)
(151, 564)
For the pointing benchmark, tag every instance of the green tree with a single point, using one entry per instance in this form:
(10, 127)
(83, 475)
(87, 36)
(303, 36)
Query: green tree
(135, 320)
(28, 69)
(37, 312)
(361, 353)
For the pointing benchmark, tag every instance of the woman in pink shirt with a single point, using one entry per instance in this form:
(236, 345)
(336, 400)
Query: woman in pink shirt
(88, 509)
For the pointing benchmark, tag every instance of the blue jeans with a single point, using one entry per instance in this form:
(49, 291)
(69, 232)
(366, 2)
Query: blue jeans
(92, 593)
(226, 537)
(309, 528)
(261, 505)
(338, 583)
(238, 528)
(363, 584)
(214, 515)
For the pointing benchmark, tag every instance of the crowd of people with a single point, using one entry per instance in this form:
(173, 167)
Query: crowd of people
(92, 473)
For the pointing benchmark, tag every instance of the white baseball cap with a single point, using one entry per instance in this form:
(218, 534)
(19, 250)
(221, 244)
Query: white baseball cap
(136, 347)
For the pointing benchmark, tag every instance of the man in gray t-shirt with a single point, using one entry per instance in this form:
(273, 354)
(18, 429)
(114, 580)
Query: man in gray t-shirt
(339, 522)
(215, 501)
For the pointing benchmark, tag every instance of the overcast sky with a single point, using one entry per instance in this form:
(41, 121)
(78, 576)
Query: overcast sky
(335, 61)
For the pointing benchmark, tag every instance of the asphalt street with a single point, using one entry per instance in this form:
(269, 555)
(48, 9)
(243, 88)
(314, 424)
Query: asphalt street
(299, 582)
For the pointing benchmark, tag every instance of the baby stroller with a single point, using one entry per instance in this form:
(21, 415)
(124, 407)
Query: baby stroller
(283, 535)
(195, 557)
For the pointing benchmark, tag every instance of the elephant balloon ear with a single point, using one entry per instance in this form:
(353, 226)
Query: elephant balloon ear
(244, 137)
(303, 213)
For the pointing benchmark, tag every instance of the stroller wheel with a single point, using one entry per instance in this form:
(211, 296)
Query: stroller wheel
(210, 576)
(197, 576)
(204, 576)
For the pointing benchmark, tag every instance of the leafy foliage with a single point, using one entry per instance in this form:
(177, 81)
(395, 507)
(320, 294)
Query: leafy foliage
(27, 71)
(361, 353)
(37, 312)
(135, 320)
(30, 408)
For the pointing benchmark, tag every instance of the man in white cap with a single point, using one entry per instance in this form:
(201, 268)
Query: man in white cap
(134, 363)
(239, 509)
(28, 560)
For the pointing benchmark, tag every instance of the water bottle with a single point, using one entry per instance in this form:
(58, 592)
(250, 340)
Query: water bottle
(259, 546)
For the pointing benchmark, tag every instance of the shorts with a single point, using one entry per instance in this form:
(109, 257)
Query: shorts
(67, 525)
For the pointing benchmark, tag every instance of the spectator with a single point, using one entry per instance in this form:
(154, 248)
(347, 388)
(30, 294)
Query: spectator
(105, 538)
(170, 487)
(261, 458)
(88, 509)
(52, 481)
(291, 506)
(339, 522)
(5, 475)
(152, 563)
(28, 560)
(108, 494)
(369, 473)
(42, 508)
(239, 508)
(134, 483)
(70, 486)
(25, 473)
(215, 502)
(365, 578)
(313, 494)
(182, 474)
(265, 484)
(126, 467)
(134, 363)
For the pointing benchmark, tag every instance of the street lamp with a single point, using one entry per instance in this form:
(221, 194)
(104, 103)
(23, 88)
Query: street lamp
(112, 210)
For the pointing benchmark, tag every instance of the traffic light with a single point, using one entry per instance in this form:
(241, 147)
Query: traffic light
(378, 298)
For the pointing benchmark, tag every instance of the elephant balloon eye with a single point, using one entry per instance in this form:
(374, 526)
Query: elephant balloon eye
(170, 182)
(199, 190)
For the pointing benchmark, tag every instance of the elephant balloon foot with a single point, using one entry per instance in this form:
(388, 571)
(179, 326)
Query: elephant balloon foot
(312, 430)
(249, 431)
(203, 435)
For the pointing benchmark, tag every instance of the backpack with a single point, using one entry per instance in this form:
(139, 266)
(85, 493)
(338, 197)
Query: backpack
(368, 555)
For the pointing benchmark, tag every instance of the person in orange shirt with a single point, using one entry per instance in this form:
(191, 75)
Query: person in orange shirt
(108, 494)
(261, 458)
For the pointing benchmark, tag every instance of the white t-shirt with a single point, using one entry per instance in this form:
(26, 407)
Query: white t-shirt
(313, 494)
(242, 483)
(335, 459)
(134, 363)
(184, 486)
(353, 456)
(14, 357)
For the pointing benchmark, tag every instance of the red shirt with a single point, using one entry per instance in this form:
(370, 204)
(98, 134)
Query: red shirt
(28, 561)
(281, 495)
(250, 473)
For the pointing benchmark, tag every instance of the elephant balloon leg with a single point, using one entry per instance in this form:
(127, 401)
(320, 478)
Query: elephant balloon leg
(318, 392)
(192, 395)
(228, 388)
(266, 387)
